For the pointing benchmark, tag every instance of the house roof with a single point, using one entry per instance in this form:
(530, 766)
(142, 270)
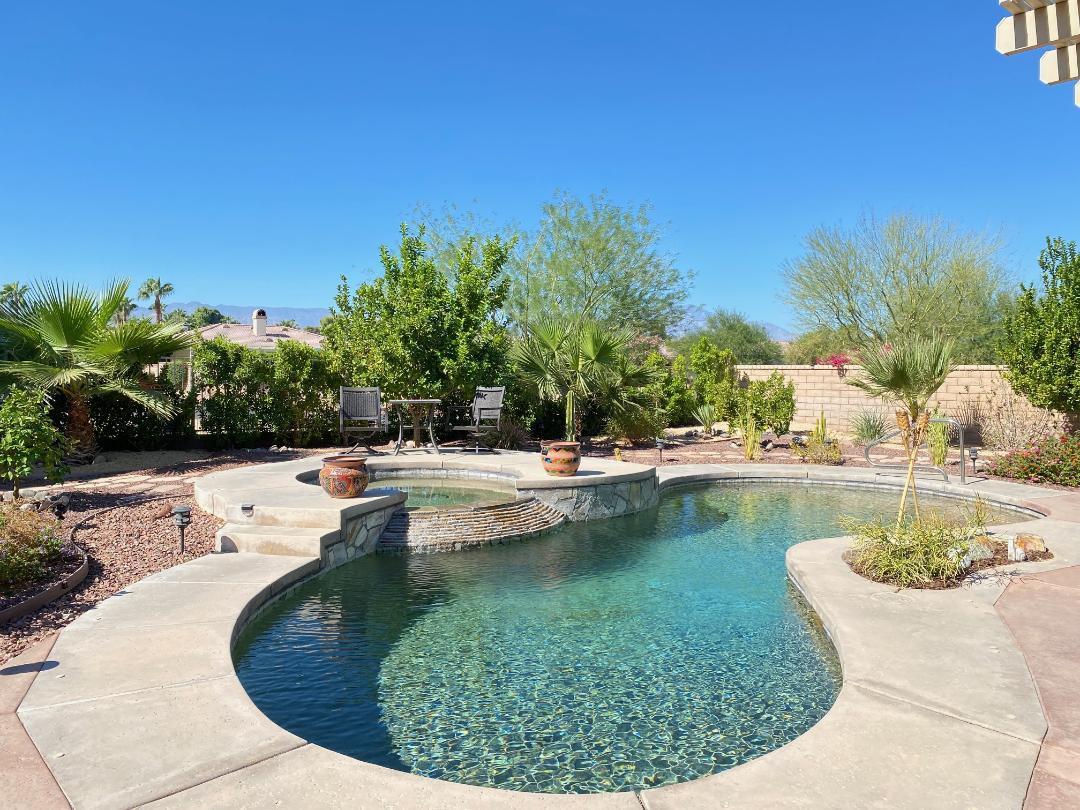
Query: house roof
(243, 335)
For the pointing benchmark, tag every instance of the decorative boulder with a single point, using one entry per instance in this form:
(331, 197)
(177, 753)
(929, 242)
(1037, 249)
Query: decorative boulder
(1030, 543)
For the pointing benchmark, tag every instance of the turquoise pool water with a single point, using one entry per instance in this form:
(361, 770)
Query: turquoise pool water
(606, 656)
(444, 493)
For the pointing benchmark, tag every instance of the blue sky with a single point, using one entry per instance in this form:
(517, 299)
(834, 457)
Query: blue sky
(252, 152)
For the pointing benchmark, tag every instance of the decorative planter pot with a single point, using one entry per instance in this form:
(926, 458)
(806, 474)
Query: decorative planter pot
(344, 476)
(562, 459)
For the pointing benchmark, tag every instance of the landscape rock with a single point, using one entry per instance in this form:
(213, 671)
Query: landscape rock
(1016, 552)
(1030, 543)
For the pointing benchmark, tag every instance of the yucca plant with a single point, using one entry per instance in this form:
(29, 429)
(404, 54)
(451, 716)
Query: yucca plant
(906, 373)
(65, 339)
(868, 426)
(706, 417)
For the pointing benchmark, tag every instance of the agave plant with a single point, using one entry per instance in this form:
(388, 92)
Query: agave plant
(65, 339)
(568, 362)
(907, 373)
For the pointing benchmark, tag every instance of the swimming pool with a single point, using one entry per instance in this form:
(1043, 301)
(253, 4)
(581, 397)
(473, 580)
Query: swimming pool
(606, 656)
(444, 493)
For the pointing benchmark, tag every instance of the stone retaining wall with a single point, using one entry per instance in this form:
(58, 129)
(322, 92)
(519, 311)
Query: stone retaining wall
(360, 535)
(824, 388)
(428, 530)
(599, 501)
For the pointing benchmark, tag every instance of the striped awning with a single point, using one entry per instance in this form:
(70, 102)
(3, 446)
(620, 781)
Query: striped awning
(1053, 24)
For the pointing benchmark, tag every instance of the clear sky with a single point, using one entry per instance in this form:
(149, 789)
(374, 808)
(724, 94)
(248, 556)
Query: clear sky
(251, 152)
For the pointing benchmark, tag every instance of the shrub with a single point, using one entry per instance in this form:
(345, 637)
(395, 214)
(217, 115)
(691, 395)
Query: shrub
(29, 544)
(773, 402)
(818, 447)
(121, 424)
(28, 436)
(914, 552)
(510, 436)
(937, 441)
(637, 425)
(705, 415)
(750, 435)
(1009, 422)
(868, 426)
(1051, 460)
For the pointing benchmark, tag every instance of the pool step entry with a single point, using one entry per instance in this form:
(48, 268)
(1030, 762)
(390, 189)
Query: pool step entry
(284, 540)
(424, 530)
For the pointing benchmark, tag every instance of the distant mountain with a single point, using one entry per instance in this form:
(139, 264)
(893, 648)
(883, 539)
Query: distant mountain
(778, 333)
(304, 316)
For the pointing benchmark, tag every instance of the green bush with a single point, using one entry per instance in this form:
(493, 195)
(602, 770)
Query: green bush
(818, 447)
(914, 552)
(29, 544)
(772, 402)
(121, 424)
(28, 436)
(1050, 461)
(869, 426)
(705, 415)
(637, 425)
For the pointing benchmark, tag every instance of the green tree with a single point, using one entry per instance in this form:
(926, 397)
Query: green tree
(596, 260)
(66, 339)
(290, 323)
(233, 382)
(206, 316)
(27, 436)
(421, 330)
(713, 377)
(569, 362)
(748, 342)
(1042, 336)
(907, 373)
(156, 290)
(884, 281)
(816, 345)
(13, 296)
(123, 312)
(304, 393)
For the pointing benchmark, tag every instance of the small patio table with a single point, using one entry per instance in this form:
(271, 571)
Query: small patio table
(428, 405)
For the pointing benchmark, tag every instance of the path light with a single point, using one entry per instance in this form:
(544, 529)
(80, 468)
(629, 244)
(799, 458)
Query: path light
(660, 445)
(974, 453)
(182, 518)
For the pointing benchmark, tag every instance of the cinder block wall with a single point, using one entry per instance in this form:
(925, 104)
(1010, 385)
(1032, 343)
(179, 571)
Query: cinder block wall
(825, 388)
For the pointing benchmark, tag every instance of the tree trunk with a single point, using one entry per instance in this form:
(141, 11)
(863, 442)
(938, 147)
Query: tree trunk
(417, 413)
(571, 414)
(80, 431)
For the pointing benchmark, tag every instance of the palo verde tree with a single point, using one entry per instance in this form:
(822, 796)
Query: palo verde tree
(1042, 336)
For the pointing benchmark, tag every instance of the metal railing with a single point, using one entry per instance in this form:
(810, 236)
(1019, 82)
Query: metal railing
(939, 420)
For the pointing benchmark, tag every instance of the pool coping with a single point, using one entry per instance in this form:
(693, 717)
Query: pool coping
(143, 703)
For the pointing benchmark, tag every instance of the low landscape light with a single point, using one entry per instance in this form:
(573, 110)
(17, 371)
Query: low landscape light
(974, 453)
(660, 445)
(182, 519)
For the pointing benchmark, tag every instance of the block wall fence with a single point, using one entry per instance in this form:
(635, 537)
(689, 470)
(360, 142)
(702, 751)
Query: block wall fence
(819, 388)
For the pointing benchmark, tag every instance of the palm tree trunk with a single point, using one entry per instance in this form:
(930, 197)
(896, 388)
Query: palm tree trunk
(80, 430)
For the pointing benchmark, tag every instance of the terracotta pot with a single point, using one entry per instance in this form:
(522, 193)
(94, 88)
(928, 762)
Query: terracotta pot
(344, 476)
(562, 459)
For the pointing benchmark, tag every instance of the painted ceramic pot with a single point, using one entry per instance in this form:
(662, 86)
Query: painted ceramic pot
(562, 459)
(344, 476)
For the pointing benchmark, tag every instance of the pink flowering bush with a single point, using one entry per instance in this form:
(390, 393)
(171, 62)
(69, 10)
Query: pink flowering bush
(1053, 460)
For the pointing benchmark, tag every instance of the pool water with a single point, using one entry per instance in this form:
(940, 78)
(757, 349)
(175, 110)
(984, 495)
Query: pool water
(606, 656)
(444, 493)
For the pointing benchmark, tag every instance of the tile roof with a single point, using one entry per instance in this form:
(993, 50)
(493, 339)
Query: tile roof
(243, 335)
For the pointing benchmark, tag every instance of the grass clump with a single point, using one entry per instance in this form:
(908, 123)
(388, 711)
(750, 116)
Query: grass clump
(29, 544)
(868, 426)
(916, 552)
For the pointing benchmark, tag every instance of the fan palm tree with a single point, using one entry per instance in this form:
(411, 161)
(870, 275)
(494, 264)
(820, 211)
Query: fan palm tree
(907, 373)
(66, 340)
(123, 312)
(157, 290)
(13, 296)
(568, 362)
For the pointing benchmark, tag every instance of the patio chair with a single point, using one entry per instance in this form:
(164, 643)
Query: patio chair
(361, 413)
(485, 414)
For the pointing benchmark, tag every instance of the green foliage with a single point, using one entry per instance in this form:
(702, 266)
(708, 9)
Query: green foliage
(906, 276)
(421, 330)
(29, 543)
(705, 414)
(748, 342)
(156, 291)
(27, 436)
(680, 399)
(13, 296)
(120, 424)
(713, 379)
(937, 441)
(815, 345)
(1042, 336)
(819, 447)
(749, 433)
(303, 394)
(596, 260)
(290, 323)
(206, 316)
(868, 426)
(914, 553)
(771, 401)
(1054, 460)
(907, 373)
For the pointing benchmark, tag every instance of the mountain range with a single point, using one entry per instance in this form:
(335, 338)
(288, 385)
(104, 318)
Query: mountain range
(304, 316)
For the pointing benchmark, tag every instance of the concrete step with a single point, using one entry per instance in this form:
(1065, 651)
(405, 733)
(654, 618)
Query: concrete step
(284, 540)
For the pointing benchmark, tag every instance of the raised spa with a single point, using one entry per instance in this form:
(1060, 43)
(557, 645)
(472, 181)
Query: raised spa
(445, 493)
(606, 656)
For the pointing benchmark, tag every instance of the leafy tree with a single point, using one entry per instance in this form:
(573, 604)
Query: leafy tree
(748, 342)
(569, 362)
(66, 340)
(1042, 336)
(27, 436)
(290, 323)
(303, 395)
(177, 316)
(907, 373)
(713, 377)
(234, 390)
(769, 403)
(206, 316)
(123, 312)
(422, 330)
(815, 345)
(13, 296)
(156, 290)
(880, 282)
(599, 261)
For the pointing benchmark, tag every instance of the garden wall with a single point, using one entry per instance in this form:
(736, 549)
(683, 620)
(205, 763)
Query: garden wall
(819, 388)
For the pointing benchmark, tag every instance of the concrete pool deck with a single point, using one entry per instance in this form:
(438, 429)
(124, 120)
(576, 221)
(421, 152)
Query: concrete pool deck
(137, 701)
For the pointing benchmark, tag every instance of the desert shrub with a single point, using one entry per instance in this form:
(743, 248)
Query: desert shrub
(914, 552)
(937, 441)
(29, 543)
(772, 402)
(28, 436)
(1009, 422)
(637, 425)
(868, 426)
(749, 433)
(818, 447)
(511, 435)
(121, 424)
(705, 415)
(1050, 460)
